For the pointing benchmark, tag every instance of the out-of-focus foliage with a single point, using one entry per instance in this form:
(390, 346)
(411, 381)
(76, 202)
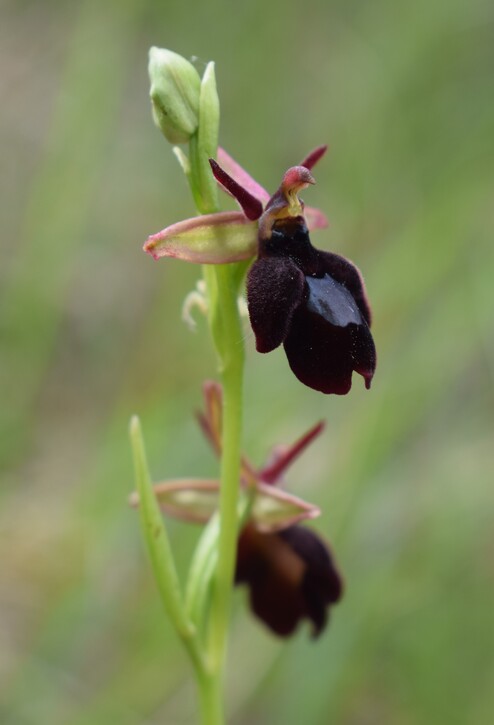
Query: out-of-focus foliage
(91, 332)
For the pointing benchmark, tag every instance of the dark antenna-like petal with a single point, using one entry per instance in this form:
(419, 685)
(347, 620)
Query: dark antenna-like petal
(251, 206)
(271, 473)
(314, 156)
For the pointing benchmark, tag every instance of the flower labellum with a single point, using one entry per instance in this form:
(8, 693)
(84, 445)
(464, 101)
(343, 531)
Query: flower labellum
(291, 576)
(289, 570)
(314, 302)
(311, 301)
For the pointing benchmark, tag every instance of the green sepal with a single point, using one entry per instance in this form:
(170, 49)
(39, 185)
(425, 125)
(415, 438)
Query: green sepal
(196, 501)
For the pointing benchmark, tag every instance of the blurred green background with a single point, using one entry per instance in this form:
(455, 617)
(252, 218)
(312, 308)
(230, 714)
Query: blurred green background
(91, 333)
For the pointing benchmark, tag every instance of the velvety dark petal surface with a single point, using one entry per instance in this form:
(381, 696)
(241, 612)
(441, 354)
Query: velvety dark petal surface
(321, 583)
(326, 343)
(291, 576)
(275, 287)
(274, 576)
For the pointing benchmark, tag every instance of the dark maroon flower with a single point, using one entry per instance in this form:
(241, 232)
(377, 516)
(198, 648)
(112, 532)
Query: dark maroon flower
(291, 576)
(289, 569)
(313, 302)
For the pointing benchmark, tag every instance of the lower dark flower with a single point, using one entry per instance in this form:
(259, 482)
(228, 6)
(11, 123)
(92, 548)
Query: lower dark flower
(313, 302)
(291, 576)
(289, 569)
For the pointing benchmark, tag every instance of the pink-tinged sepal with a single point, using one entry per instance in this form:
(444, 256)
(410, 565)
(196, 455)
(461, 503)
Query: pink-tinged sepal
(196, 500)
(315, 219)
(242, 177)
(227, 237)
(209, 239)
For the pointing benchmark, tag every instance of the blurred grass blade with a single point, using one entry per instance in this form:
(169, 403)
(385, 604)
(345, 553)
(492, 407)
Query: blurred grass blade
(58, 205)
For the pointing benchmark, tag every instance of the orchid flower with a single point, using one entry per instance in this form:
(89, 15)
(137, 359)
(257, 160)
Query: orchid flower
(289, 569)
(312, 301)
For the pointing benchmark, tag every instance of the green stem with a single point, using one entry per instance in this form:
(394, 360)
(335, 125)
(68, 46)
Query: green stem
(210, 698)
(226, 330)
(230, 349)
(222, 283)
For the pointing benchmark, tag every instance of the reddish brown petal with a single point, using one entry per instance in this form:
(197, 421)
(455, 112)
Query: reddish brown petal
(272, 472)
(251, 206)
(211, 423)
(274, 290)
(311, 159)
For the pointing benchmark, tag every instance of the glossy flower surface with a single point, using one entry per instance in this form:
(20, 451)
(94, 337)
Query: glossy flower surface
(313, 302)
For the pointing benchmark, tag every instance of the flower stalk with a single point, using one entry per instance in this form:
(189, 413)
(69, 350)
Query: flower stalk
(311, 301)
(194, 119)
(226, 331)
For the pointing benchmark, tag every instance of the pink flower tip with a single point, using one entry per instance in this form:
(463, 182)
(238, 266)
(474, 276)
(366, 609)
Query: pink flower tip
(297, 177)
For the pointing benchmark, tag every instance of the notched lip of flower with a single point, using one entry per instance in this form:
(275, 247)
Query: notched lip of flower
(226, 237)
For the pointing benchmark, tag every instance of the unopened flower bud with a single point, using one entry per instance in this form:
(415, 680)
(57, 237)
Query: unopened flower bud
(175, 93)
